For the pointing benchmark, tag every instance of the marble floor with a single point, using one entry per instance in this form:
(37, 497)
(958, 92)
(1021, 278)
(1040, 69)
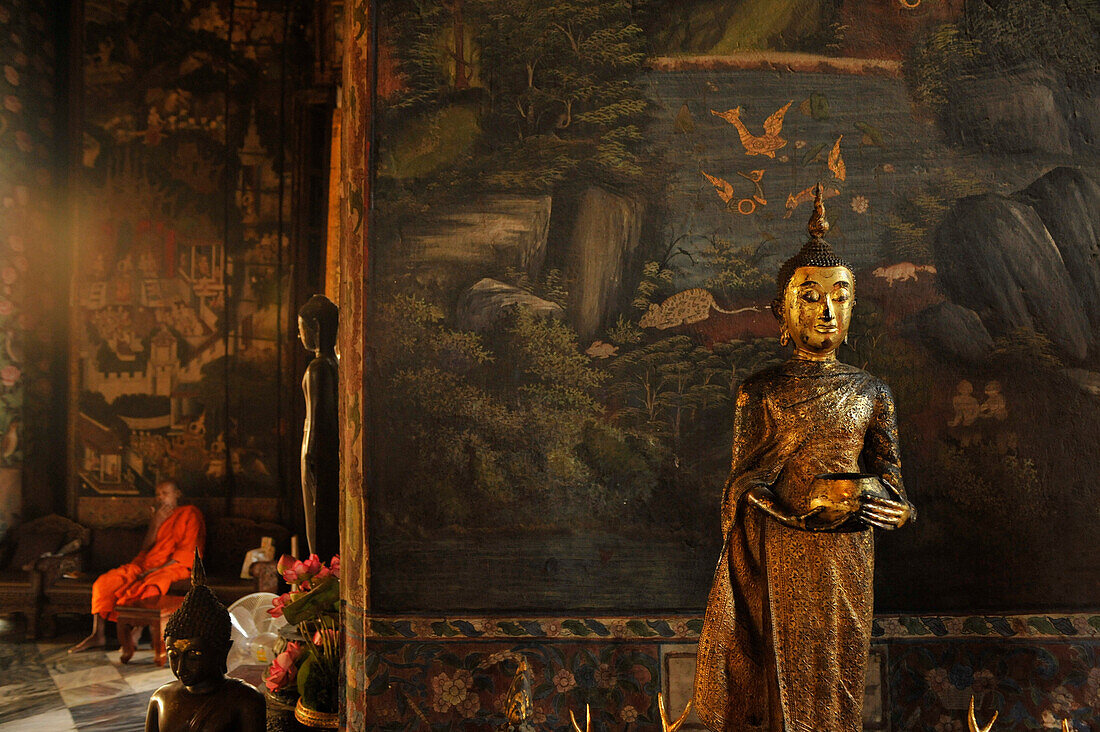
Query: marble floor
(45, 689)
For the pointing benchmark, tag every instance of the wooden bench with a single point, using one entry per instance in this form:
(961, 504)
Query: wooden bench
(152, 612)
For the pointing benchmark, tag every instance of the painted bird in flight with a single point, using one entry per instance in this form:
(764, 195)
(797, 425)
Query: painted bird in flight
(765, 144)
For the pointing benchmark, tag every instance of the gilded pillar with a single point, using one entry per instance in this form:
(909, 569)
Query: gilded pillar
(356, 97)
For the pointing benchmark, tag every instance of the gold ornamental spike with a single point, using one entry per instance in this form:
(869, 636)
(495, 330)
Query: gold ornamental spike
(666, 725)
(1065, 726)
(519, 705)
(587, 720)
(818, 225)
(973, 721)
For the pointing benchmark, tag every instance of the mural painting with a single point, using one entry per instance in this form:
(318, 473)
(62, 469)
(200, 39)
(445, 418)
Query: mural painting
(579, 210)
(27, 314)
(182, 277)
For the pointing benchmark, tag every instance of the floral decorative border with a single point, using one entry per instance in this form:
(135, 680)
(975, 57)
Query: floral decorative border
(467, 684)
(463, 683)
(674, 628)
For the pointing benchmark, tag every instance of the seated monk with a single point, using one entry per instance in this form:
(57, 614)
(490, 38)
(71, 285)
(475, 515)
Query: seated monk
(175, 533)
(198, 638)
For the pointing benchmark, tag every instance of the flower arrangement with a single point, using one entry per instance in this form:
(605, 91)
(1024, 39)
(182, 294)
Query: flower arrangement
(310, 667)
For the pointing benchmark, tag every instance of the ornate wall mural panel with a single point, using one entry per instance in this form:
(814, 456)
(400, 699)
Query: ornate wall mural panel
(579, 210)
(183, 273)
(27, 247)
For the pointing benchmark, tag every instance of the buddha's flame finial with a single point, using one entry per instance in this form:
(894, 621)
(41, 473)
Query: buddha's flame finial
(818, 225)
(198, 572)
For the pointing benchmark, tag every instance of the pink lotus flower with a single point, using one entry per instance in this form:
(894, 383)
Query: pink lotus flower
(295, 650)
(313, 565)
(277, 605)
(320, 636)
(285, 562)
(296, 573)
(283, 670)
(335, 566)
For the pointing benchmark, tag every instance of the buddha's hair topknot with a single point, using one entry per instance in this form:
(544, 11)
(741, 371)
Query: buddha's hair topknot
(815, 253)
(201, 615)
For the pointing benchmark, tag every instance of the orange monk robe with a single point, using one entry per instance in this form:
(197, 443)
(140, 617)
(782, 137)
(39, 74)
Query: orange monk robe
(177, 538)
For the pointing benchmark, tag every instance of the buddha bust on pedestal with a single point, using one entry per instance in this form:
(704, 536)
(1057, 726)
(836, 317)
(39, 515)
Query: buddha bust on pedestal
(202, 699)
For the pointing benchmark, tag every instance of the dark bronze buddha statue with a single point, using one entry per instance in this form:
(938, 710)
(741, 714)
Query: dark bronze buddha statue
(202, 699)
(317, 324)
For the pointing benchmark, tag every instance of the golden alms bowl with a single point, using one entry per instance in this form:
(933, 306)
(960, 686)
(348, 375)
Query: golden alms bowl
(841, 494)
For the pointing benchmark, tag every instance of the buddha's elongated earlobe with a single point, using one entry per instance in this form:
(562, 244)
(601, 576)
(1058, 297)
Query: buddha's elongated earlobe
(784, 337)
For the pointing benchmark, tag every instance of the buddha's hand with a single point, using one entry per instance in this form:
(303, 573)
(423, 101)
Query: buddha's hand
(811, 521)
(884, 513)
(764, 500)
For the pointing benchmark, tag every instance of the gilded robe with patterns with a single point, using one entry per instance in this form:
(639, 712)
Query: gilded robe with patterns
(788, 622)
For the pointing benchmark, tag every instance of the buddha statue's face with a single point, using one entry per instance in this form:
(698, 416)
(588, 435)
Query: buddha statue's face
(307, 333)
(197, 664)
(817, 309)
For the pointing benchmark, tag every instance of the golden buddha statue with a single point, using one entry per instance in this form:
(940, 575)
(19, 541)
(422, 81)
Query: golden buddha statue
(788, 621)
(202, 699)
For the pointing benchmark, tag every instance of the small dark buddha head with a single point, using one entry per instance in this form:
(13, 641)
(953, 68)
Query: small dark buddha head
(815, 292)
(317, 323)
(198, 636)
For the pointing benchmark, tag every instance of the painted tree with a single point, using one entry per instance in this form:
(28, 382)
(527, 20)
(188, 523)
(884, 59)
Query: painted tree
(665, 385)
(457, 49)
(559, 73)
(430, 42)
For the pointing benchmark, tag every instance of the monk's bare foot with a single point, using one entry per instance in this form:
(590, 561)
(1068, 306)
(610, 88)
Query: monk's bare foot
(92, 641)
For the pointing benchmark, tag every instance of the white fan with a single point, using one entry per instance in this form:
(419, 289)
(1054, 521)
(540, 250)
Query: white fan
(254, 631)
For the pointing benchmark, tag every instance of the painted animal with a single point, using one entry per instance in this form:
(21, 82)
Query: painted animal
(765, 144)
(725, 190)
(902, 271)
(684, 308)
(836, 161)
(601, 349)
(721, 186)
(794, 200)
